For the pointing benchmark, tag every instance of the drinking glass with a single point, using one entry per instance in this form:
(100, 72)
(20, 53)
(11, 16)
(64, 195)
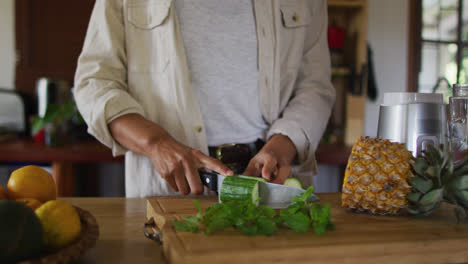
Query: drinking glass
(458, 125)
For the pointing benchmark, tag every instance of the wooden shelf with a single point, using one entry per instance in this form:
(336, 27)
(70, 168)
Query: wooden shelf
(346, 3)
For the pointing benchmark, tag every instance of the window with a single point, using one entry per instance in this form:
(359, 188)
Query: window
(438, 44)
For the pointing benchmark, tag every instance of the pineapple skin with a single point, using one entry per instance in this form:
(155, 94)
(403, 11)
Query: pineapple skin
(376, 177)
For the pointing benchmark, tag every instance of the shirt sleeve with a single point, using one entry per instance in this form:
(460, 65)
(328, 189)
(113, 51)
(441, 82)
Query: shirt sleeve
(305, 118)
(100, 87)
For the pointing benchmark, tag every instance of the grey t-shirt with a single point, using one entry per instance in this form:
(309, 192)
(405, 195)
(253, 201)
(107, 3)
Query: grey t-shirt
(221, 48)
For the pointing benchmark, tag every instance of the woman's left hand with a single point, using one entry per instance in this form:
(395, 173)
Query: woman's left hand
(273, 161)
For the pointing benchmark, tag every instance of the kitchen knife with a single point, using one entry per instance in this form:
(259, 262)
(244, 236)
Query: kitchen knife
(274, 195)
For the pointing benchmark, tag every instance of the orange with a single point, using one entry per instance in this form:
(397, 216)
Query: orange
(31, 182)
(3, 194)
(30, 202)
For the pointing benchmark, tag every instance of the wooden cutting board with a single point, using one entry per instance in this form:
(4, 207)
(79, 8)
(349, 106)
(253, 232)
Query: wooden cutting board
(357, 238)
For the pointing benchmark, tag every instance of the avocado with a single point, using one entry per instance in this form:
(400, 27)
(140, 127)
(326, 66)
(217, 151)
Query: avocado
(21, 232)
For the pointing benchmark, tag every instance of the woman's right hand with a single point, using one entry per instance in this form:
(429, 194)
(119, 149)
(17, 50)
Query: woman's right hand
(175, 162)
(179, 164)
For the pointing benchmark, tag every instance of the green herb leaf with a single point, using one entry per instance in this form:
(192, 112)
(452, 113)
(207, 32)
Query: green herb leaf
(298, 222)
(320, 215)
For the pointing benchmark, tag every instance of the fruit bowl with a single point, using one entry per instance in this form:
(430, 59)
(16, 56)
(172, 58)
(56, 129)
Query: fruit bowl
(70, 253)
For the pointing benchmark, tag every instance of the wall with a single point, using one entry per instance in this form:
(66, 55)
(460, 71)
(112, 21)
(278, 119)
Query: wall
(7, 44)
(388, 38)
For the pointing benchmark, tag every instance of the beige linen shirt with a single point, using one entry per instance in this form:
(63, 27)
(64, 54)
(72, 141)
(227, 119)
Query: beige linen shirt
(133, 61)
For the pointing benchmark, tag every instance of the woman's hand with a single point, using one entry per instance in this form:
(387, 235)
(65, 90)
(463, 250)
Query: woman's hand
(273, 161)
(175, 162)
(179, 164)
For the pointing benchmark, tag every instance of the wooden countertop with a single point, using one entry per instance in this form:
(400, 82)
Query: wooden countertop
(437, 239)
(121, 239)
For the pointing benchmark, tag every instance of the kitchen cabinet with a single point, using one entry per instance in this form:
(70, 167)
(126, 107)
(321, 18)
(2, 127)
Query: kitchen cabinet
(349, 70)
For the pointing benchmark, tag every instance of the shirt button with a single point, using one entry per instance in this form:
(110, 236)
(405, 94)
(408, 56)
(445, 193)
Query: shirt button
(198, 129)
(190, 79)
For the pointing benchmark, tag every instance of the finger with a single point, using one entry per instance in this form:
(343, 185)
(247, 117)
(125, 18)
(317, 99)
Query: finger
(193, 178)
(284, 172)
(180, 180)
(253, 169)
(172, 183)
(269, 168)
(213, 164)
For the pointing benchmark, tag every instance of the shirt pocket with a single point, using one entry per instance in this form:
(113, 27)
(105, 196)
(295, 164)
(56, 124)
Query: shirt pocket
(296, 20)
(147, 34)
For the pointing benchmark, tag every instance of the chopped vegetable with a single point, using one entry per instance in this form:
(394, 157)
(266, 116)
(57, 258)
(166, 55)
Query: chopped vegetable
(239, 189)
(293, 182)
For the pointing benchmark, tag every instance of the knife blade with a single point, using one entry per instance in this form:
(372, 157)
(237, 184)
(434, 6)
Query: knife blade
(274, 195)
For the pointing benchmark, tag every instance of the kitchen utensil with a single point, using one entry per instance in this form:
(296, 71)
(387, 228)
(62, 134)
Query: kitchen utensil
(414, 119)
(273, 195)
(51, 91)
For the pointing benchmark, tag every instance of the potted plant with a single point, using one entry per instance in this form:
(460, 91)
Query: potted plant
(56, 122)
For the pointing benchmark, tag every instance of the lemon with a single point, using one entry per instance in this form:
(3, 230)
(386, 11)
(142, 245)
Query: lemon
(31, 182)
(60, 223)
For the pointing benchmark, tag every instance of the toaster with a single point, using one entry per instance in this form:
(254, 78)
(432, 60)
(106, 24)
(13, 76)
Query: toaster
(12, 113)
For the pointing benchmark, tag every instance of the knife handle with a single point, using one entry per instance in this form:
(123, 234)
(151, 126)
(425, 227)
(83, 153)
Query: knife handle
(209, 178)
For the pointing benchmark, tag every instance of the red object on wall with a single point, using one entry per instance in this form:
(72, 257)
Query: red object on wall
(336, 37)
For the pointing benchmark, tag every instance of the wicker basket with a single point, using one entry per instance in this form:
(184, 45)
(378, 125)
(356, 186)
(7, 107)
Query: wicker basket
(72, 252)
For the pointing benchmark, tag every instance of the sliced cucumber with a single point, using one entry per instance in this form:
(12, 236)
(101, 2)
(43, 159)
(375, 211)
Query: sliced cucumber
(236, 188)
(293, 182)
(251, 178)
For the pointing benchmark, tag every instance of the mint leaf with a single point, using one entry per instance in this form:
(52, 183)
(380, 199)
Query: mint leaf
(320, 215)
(189, 224)
(298, 222)
(199, 210)
(266, 226)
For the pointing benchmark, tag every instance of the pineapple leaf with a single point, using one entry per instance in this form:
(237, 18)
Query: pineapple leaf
(460, 170)
(434, 155)
(421, 184)
(462, 183)
(462, 164)
(420, 165)
(431, 198)
(462, 198)
(413, 211)
(414, 197)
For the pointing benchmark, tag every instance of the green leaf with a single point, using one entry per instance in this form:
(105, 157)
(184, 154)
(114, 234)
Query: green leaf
(37, 124)
(320, 215)
(420, 184)
(414, 197)
(189, 224)
(420, 165)
(199, 210)
(298, 222)
(266, 226)
(462, 198)
(432, 197)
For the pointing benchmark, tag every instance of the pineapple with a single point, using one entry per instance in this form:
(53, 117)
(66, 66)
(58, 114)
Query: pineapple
(383, 178)
(376, 177)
